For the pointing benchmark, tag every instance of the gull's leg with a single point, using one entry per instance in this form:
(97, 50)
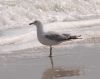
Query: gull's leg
(50, 51)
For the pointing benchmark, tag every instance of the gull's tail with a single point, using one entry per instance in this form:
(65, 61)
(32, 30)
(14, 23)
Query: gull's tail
(70, 37)
(75, 37)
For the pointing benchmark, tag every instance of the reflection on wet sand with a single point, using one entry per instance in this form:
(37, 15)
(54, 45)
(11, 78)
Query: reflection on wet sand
(58, 72)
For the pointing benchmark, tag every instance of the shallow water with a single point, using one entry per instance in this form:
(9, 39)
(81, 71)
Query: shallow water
(79, 62)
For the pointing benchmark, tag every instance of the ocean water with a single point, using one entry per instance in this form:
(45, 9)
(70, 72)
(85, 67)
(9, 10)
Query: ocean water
(81, 17)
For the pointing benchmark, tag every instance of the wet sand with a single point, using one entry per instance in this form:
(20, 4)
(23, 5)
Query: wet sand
(76, 63)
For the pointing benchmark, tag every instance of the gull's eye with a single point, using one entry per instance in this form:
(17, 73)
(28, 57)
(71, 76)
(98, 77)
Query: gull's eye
(36, 21)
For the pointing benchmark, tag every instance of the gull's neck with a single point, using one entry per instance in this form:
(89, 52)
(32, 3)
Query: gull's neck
(39, 29)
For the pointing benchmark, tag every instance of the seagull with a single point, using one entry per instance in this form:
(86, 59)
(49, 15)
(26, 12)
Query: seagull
(51, 38)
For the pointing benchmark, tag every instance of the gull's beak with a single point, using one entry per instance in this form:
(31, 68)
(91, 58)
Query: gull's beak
(31, 23)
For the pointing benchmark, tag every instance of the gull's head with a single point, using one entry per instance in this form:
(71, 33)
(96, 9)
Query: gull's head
(35, 23)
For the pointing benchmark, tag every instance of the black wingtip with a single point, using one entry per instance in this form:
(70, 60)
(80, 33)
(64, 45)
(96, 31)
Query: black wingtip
(75, 37)
(78, 35)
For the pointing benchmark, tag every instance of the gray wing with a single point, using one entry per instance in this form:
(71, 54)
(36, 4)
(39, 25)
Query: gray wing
(67, 35)
(55, 37)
